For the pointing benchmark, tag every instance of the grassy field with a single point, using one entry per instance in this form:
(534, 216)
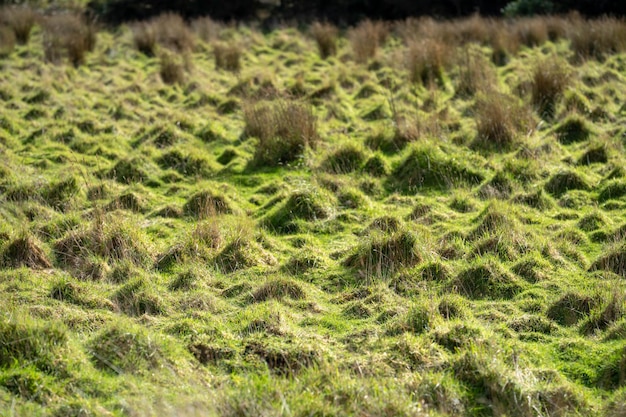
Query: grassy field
(415, 218)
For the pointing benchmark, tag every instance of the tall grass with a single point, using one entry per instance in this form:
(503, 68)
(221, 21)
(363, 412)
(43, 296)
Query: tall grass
(20, 19)
(366, 38)
(325, 36)
(68, 35)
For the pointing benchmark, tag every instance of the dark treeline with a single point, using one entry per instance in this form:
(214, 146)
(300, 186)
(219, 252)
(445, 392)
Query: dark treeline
(344, 11)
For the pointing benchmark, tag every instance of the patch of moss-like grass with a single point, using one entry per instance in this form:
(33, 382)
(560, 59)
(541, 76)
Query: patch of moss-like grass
(427, 167)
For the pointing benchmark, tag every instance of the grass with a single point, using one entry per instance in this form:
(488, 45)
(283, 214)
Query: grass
(309, 231)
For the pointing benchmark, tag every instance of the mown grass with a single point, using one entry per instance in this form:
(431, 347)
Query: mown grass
(417, 218)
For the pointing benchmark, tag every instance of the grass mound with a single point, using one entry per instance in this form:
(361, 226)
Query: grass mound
(376, 166)
(614, 189)
(564, 181)
(614, 261)
(109, 241)
(344, 160)
(531, 269)
(499, 121)
(206, 204)
(570, 309)
(284, 359)
(278, 289)
(284, 130)
(25, 251)
(118, 349)
(129, 171)
(185, 164)
(537, 200)
(384, 224)
(243, 253)
(500, 187)
(595, 155)
(137, 298)
(24, 342)
(574, 129)
(486, 279)
(605, 313)
(427, 167)
(308, 205)
(384, 255)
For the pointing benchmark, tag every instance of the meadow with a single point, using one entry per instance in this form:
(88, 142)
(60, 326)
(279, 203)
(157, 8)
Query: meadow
(422, 217)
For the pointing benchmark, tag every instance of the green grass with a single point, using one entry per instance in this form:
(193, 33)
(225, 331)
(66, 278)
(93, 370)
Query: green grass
(303, 228)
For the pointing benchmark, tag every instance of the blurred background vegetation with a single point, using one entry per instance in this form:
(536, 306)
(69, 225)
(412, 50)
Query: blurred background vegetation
(336, 11)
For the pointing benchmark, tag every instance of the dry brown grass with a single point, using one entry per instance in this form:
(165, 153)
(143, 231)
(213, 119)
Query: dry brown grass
(476, 73)
(366, 38)
(325, 36)
(206, 28)
(427, 60)
(168, 30)
(227, 56)
(596, 39)
(20, 19)
(7, 41)
(284, 129)
(499, 121)
(550, 78)
(145, 37)
(173, 32)
(531, 31)
(171, 69)
(68, 35)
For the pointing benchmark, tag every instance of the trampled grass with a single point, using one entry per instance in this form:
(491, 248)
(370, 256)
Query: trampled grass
(418, 218)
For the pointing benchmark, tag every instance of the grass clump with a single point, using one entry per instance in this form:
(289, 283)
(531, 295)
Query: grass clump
(307, 205)
(25, 251)
(427, 167)
(125, 350)
(570, 308)
(550, 78)
(284, 129)
(242, 253)
(137, 298)
(499, 119)
(227, 56)
(476, 75)
(574, 129)
(486, 279)
(68, 35)
(128, 171)
(345, 160)
(426, 61)
(25, 342)
(278, 289)
(185, 163)
(20, 19)
(614, 260)
(107, 239)
(284, 360)
(613, 190)
(7, 41)
(145, 37)
(205, 204)
(366, 38)
(564, 181)
(382, 256)
(170, 69)
(325, 35)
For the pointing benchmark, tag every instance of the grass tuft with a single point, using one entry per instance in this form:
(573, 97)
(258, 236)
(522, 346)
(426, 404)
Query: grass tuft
(427, 167)
(486, 280)
(20, 19)
(550, 78)
(227, 56)
(25, 251)
(68, 35)
(284, 130)
(325, 36)
(365, 38)
(382, 256)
